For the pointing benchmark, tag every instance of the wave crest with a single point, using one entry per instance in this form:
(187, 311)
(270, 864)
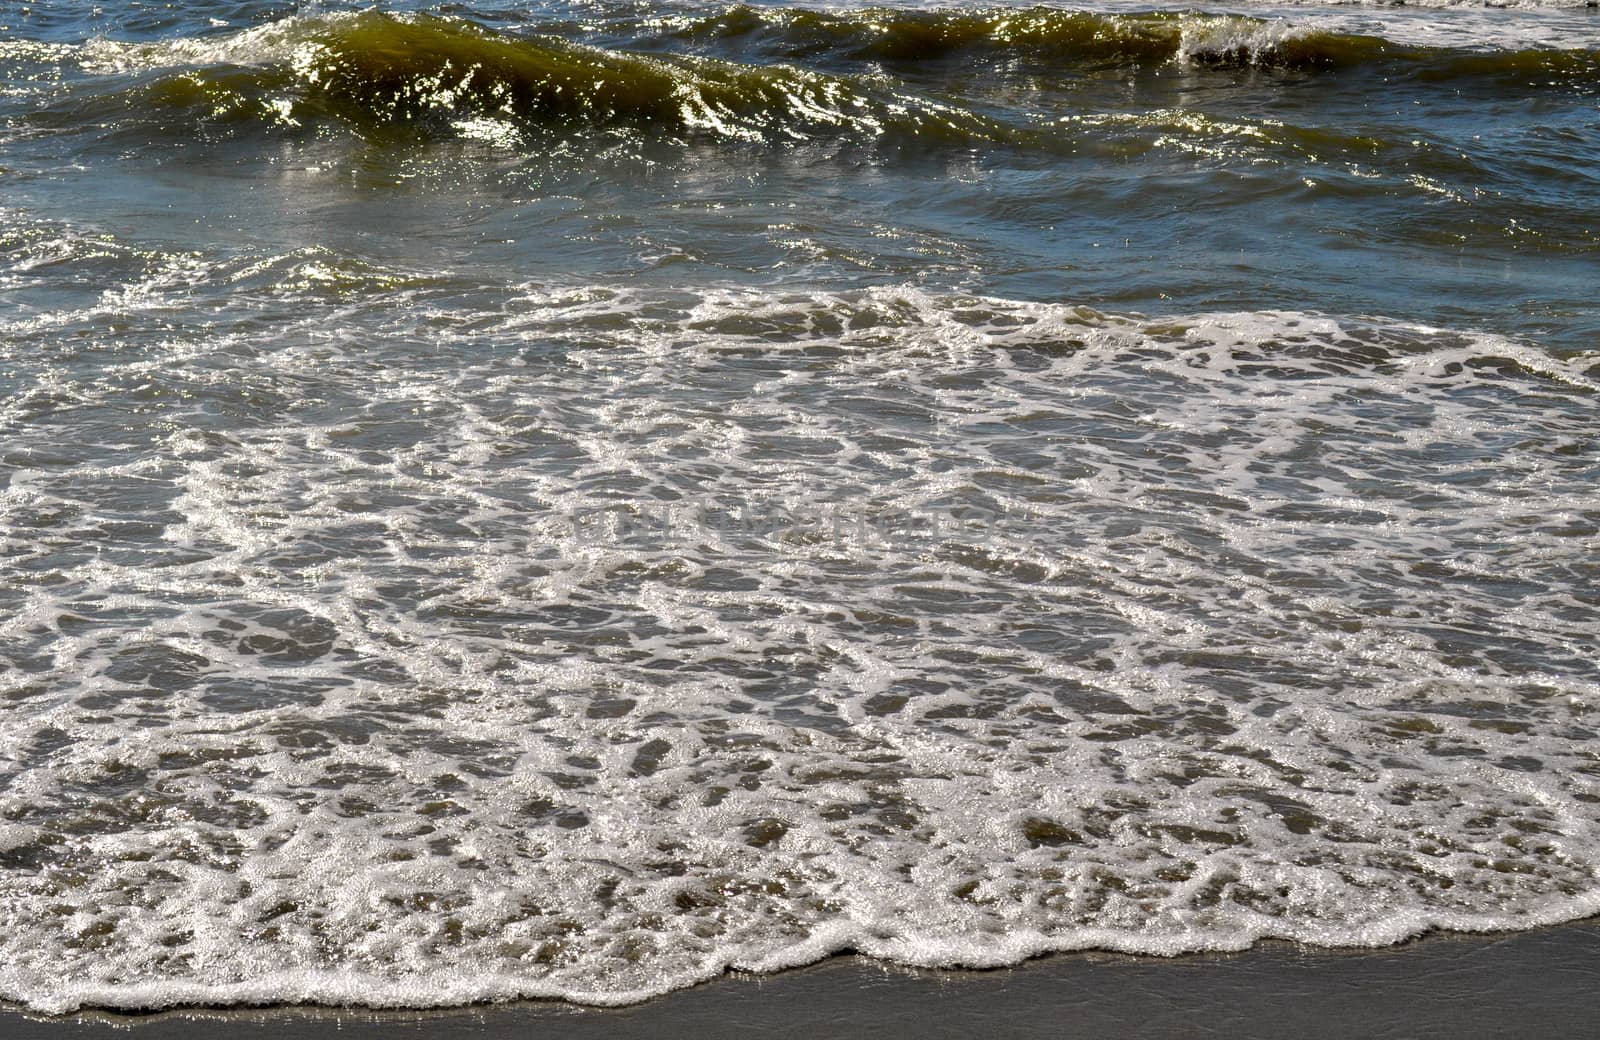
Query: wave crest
(740, 74)
(379, 70)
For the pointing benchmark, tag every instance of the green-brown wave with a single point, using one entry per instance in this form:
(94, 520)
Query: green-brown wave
(744, 73)
(1066, 38)
(377, 71)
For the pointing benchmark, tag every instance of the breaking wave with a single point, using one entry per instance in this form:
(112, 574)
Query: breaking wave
(746, 73)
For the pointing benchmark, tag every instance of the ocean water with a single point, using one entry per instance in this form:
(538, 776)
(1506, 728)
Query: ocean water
(562, 499)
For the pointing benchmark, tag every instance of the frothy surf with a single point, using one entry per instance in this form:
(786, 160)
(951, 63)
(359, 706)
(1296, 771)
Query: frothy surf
(587, 642)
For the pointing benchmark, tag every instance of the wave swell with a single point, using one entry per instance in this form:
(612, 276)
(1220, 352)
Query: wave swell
(382, 71)
(743, 73)
(1069, 40)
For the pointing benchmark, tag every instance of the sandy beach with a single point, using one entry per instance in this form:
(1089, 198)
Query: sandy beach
(1525, 984)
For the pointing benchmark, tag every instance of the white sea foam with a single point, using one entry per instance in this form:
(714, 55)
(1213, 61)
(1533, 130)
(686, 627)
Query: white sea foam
(586, 642)
(279, 40)
(1507, 25)
(1517, 25)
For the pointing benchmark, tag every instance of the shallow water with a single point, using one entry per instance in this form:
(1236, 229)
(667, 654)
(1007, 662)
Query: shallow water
(507, 500)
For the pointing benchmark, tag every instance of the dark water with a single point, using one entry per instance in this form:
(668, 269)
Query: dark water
(509, 499)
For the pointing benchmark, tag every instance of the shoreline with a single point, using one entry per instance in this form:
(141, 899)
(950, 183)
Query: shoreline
(1543, 981)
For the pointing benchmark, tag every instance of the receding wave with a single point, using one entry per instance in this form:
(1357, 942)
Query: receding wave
(1072, 630)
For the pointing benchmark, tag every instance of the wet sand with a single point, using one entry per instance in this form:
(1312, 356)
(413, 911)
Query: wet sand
(1526, 984)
